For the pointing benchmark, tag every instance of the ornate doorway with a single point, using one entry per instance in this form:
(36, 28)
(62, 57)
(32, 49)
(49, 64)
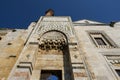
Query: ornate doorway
(53, 55)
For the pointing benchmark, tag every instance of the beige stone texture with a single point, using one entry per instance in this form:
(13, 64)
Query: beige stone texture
(57, 43)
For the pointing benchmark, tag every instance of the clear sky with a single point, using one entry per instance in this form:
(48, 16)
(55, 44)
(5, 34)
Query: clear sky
(20, 13)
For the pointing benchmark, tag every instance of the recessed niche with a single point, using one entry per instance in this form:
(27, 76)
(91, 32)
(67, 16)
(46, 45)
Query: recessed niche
(51, 75)
(0, 38)
(9, 44)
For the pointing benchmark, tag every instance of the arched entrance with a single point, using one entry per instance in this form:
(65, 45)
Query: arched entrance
(53, 56)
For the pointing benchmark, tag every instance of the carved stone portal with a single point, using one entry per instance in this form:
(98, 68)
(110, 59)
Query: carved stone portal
(53, 54)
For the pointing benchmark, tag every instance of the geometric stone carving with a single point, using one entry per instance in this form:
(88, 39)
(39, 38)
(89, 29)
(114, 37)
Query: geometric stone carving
(61, 24)
(52, 40)
(114, 60)
(55, 19)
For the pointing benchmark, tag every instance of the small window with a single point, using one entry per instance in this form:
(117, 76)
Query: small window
(101, 40)
(118, 72)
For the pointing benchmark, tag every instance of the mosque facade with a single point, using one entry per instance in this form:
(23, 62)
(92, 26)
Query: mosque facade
(56, 48)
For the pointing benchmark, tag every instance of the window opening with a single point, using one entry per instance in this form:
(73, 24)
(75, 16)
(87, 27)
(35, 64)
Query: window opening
(51, 75)
(118, 72)
(100, 41)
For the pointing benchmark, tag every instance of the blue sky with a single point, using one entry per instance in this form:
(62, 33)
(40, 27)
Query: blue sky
(20, 13)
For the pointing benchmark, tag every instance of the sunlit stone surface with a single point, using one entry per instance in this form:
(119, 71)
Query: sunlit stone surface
(55, 48)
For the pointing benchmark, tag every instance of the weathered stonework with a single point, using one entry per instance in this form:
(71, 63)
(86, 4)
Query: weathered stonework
(59, 47)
